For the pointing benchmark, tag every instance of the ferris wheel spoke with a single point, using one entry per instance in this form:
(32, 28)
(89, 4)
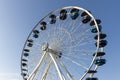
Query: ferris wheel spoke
(54, 37)
(81, 25)
(77, 23)
(78, 64)
(36, 52)
(83, 43)
(59, 22)
(83, 52)
(79, 28)
(55, 29)
(62, 30)
(86, 37)
(65, 35)
(82, 61)
(88, 41)
(82, 40)
(67, 25)
(71, 26)
(36, 44)
(48, 33)
(76, 57)
(84, 32)
(81, 35)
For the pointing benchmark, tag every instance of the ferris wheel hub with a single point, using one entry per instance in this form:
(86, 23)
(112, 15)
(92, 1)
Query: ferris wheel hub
(45, 47)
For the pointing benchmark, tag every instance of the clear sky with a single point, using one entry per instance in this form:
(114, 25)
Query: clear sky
(18, 17)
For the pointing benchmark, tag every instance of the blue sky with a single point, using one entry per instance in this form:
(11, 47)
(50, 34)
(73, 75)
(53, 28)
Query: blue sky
(18, 17)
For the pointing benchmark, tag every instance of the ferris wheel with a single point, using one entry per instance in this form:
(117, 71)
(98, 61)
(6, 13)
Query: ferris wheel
(67, 44)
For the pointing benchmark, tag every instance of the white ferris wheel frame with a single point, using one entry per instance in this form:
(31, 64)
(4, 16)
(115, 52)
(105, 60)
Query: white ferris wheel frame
(32, 75)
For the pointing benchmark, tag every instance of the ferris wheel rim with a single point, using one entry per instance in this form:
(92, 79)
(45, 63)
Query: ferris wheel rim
(66, 8)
